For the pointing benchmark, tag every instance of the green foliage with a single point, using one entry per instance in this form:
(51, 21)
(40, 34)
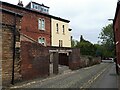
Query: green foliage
(107, 41)
(86, 47)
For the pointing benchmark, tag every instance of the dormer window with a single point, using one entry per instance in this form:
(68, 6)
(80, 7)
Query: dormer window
(35, 6)
(40, 7)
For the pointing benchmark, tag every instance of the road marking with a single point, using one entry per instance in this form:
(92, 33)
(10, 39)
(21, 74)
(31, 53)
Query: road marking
(85, 85)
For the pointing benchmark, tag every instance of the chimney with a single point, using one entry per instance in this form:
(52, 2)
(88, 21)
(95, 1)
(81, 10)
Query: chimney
(20, 3)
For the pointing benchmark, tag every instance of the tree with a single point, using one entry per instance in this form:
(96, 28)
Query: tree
(107, 41)
(86, 47)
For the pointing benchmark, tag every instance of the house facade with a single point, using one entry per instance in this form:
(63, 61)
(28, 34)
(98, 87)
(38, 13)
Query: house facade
(40, 26)
(61, 36)
(34, 23)
(36, 26)
(116, 25)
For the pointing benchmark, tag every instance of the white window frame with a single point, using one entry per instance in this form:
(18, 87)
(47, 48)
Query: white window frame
(41, 25)
(60, 43)
(42, 42)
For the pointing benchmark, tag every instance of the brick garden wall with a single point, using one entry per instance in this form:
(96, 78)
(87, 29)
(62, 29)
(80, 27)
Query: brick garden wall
(75, 61)
(34, 60)
(89, 61)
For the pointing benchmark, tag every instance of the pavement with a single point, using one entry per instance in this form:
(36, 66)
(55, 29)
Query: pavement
(98, 76)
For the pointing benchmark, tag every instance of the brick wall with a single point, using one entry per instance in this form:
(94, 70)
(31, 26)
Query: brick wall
(117, 35)
(7, 58)
(34, 60)
(74, 61)
(29, 24)
(7, 48)
(89, 61)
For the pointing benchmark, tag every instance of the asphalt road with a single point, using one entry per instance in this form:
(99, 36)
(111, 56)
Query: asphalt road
(98, 76)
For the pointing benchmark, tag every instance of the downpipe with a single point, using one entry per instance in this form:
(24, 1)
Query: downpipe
(14, 41)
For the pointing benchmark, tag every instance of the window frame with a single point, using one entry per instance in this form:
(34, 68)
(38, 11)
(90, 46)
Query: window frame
(41, 26)
(60, 43)
(44, 44)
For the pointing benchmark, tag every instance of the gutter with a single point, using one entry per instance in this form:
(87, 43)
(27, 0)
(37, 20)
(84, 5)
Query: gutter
(14, 41)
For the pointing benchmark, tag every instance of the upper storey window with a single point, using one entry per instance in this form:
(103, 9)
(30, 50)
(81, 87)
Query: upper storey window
(35, 6)
(57, 28)
(41, 24)
(39, 7)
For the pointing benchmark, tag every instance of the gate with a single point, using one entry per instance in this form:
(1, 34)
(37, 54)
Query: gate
(63, 59)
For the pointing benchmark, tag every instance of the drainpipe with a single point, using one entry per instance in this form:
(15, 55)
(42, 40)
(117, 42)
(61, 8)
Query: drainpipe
(14, 41)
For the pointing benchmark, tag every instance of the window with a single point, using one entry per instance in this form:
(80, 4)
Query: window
(60, 43)
(63, 27)
(41, 41)
(57, 27)
(35, 6)
(44, 10)
(41, 24)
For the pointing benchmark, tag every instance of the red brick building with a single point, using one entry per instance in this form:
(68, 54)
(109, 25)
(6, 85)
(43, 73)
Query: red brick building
(36, 21)
(34, 24)
(116, 24)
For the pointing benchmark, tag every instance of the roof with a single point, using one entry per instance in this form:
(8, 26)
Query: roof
(41, 4)
(116, 13)
(23, 8)
(10, 12)
(36, 3)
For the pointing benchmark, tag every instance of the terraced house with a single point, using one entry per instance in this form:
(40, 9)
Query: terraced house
(61, 36)
(35, 24)
(38, 25)
(39, 32)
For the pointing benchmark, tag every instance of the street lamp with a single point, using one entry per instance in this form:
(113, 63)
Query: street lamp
(110, 19)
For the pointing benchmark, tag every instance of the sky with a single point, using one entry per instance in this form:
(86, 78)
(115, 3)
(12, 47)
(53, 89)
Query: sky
(87, 17)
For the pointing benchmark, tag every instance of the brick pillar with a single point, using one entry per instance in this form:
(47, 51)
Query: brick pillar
(55, 62)
(70, 60)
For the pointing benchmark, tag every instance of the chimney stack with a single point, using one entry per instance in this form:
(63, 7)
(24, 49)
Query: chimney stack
(20, 3)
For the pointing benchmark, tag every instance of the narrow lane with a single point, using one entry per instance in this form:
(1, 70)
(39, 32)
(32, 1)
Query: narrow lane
(82, 78)
(109, 79)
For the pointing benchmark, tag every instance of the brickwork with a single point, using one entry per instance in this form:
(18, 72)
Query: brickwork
(7, 55)
(29, 23)
(117, 34)
(34, 60)
(8, 21)
(74, 59)
(89, 61)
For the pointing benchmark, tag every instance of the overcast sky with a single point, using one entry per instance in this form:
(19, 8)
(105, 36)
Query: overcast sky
(87, 17)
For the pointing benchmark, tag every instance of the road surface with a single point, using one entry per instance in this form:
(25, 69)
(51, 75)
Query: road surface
(98, 76)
